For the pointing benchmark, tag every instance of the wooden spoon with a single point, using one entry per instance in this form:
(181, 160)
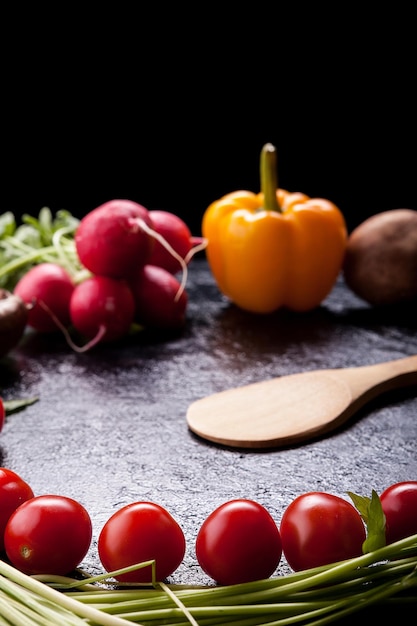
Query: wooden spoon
(294, 408)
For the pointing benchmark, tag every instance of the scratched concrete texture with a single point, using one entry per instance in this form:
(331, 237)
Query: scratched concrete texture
(110, 428)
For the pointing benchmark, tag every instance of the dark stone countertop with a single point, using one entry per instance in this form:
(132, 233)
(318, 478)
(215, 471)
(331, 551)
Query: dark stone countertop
(110, 428)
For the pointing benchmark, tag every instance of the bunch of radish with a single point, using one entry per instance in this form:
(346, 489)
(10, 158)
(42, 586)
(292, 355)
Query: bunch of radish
(131, 256)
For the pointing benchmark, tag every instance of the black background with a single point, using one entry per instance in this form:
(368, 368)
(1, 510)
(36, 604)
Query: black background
(170, 107)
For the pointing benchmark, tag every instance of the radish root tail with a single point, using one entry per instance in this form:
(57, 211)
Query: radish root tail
(202, 245)
(183, 262)
(90, 344)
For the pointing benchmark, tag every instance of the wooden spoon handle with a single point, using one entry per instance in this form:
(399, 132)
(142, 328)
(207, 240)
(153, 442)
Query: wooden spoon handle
(373, 380)
(291, 409)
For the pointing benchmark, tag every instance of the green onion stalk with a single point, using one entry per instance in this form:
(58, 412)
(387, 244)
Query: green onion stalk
(385, 577)
(47, 238)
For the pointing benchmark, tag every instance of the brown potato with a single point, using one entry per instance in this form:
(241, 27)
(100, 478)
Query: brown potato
(380, 264)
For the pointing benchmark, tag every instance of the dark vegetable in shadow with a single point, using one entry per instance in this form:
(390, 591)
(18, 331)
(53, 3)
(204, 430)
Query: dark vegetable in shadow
(13, 320)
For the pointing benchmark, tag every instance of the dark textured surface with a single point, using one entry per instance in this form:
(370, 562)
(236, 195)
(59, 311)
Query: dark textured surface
(110, 427)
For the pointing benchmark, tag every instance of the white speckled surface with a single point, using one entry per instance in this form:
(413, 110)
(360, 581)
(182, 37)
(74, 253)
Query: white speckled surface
(110, 428)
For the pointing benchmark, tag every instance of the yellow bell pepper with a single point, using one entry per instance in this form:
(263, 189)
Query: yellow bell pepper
(274, 249)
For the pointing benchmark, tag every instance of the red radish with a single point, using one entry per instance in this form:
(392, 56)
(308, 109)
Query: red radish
(111, 240)
(102, 309)
(176, 233)
(160, 301)
(46, 289)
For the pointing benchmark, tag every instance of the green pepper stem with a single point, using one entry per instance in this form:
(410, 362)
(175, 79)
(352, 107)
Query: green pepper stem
(269, 177)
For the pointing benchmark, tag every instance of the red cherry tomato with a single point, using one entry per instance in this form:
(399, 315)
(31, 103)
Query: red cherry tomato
(320, 528)
(239, 542)
(13, 492)
(399, 503)
(140, 532)
(48, 535)
(2, 414)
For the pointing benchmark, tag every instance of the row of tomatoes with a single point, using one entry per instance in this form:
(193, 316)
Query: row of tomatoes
(238, 542)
